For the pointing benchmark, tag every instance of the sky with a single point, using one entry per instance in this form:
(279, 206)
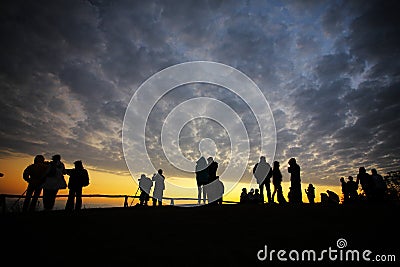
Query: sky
(329, 71)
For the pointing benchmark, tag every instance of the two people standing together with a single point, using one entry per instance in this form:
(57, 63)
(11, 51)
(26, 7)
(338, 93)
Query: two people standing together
(263, 173)
(209, 187)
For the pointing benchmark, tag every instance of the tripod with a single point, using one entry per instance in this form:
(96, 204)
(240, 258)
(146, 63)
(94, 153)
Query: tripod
(15, 203)
(134, 196)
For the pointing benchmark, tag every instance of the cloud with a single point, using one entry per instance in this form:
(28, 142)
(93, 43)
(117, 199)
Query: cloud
(328, 70)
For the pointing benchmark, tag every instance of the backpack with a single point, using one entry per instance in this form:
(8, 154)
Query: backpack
(85, 178)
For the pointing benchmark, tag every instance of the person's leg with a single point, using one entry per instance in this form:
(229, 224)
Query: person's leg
(199, 193)
(46, 196)
(161, 197)
(52, 200)
(36, 195)
(70, 200)
(268, 187)
(28, 197)
(273, 193)
(78, 195)
(261, 187)
(205, 193)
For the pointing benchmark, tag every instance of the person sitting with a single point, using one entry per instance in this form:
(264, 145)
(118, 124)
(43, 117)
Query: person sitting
(250, 196)
(244, 199)
(257, 197)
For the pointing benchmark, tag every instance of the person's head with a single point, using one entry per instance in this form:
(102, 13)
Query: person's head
(78, 164)
(257, 190)
(38, 159)
(373, 171)
(252, 190)
(142, 176)
(310, 186)
(160, 171)
(276, 164)
(244, 190)
(292, 161)
(210, 159)
(342, 180)
(56, 158)
(350, 178)
(362, 170)
(262, 159)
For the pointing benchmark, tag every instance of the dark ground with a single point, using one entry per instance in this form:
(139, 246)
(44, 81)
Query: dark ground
(228, 235)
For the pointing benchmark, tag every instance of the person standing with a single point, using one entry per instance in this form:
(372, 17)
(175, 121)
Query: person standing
(310, 192)
(295, 182)
(379, 186)
(78, 178)
(277, 180)
(159, 186)
(145, 185)
(35, 175)
(201, 179)
(345, 190)
(212, 187)
(262, 171)
(366, 182)
(352, 188)
(54, 182)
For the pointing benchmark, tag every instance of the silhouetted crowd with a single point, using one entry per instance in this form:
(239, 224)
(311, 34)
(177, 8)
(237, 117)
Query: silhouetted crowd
(372, 185)
(263, 173)
(49, 177)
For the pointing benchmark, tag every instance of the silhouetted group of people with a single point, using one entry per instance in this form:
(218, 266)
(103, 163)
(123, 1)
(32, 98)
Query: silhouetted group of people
(373, 185)
(210, 188)
(145, 185)
(48, 176)
(263, 172)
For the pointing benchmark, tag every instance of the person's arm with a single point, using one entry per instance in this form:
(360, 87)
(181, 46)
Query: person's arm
(254, 168)
(26, 174)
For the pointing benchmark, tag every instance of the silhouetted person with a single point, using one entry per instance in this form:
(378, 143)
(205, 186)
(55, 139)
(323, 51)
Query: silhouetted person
(250, 196)
(78, 178)
(365, 180)
(379, 188)
(145, 185)
(35, 175)
(295, 182)
(352, 188)
(159, 186)
(126, 202)
(220, 189)
(54, 182)
(257, 196)
(211, 187)
(212, 169)
(201, 179)
(310, 192)
(262, 171)
(244, 198)
(276, 181)
(333, 197)
(345, 190)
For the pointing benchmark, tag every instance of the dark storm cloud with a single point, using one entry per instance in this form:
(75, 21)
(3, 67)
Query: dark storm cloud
(330, 71)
